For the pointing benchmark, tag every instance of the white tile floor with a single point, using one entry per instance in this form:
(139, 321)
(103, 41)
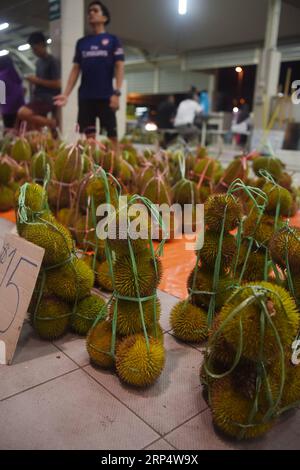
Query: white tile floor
(52, 398)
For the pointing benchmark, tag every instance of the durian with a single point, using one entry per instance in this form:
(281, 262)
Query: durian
(5, 173)
(209, 252)
(148, 277)
(52, 318)
(21, 150)
(99, 344)
(104, 277)
(129, 316)
(204, 284)
(285, 247)
(185, 192)
(7, 199)
(282, 312)
(71, 282)
(86, 313)
(215, 209)
(189, 323)
(68, 165)
(138, 366)
(271, 165)
(277, 195)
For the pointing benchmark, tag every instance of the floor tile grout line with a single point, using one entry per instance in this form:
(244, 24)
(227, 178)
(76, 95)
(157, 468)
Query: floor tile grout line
(73, 360)
(183, 423)
(38, 385)
(124, 404)
(152, 443)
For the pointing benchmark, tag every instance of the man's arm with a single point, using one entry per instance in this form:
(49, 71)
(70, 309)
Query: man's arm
(61, 100)
(119, 76)
(53, 84)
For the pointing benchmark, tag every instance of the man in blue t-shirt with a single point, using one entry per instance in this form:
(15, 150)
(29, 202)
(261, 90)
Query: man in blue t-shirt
(99, 58)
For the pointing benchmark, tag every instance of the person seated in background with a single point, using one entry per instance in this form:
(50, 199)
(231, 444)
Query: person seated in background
(241, 125)
(46, 83)
(187, 112)
(14, 93)
(165, 117)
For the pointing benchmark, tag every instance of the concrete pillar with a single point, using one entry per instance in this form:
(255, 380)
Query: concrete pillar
(156, 79)
(72, 29)
(122, 113)
(65, 32)
(269, 67)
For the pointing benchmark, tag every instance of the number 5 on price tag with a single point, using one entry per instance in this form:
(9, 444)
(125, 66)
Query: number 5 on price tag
(20, 263)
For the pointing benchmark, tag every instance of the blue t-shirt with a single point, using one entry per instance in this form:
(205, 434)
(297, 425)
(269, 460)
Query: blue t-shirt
(97, 55)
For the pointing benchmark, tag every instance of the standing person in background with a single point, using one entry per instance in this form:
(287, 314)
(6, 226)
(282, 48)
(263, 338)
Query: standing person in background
(204, 102)
(166, 113)
(13, 90)
(98, 57)
(46, 84)
(187, 112)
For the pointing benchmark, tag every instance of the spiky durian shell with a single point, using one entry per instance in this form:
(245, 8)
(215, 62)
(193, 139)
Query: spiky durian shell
(53, 237)
(71, 282)
(99, 342)
(260, 227)
(39, 165)
(5, 173)
(52, 318)
(230, 408)
(86, 313)
(96, 189)
(7, 199)
(59, 197)
(215, 207)
(185, 192)
(123, 235)
(86, 236)
(204, 283)
(209, 252)
(285, 246)
(68, 166)
(291, 392)
(104, 277)
(283, 313)
(135, 364)
(158, 191)
(286, 181)
(189, 323)
(147, 276)
(272, 165)
(21, 150)
(255, 266)
(35, 198)
(278, 195)
(66, 217)
(129, 316)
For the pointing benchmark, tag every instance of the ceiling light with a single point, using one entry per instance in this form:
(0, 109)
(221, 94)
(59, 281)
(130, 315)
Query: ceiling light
(24, 47)
(49, 41)
(235, 109)
(4, 26)
(3, 52)
(238, 69)
(151, 127)
(182, 7)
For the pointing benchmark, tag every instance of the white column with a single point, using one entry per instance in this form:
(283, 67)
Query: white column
(72, 29)
(156, 79)
(122, 113)
(268, 70)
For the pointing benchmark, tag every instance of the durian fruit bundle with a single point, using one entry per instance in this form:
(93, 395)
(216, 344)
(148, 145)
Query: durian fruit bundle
(248, 377)
(283, 187)
(210, 283)
(131, 339)
(65, 282)
(8, 187)
(285, 252)
(238, 169)
(207, 173)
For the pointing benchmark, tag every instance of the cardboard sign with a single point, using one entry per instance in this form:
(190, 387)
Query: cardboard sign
(20, 263)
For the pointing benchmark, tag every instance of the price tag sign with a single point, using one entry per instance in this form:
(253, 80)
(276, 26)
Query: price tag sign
(20, 263)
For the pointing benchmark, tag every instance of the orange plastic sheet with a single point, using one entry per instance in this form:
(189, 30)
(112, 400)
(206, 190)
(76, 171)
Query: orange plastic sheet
(178, 262)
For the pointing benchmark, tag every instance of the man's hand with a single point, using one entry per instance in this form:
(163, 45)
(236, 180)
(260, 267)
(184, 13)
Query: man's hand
(115, 102)
(60, 100)
(32, 79)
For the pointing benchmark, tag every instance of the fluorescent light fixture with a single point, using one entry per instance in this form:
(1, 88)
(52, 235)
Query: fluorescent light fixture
(235, 109)
(49, 41)
(4, 26)
(182, 7)
(238, 69)
(151, 127)
(4, 52)
(24, 47)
